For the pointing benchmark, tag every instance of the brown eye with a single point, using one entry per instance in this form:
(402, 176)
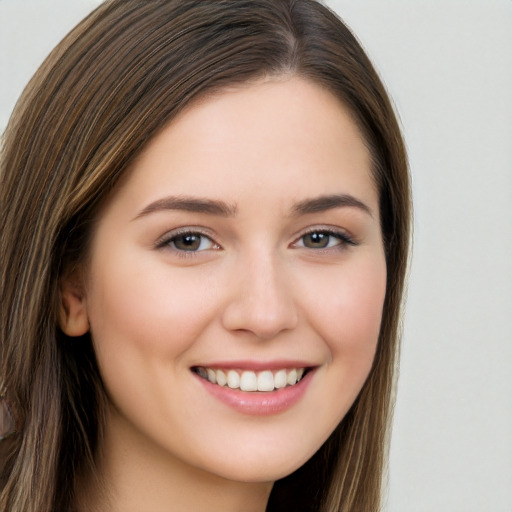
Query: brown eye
(317, 240)
(320, 240)
(324, 240)
(191, 242)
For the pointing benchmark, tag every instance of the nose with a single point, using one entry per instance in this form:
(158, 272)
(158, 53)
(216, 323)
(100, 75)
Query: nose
(261, 301)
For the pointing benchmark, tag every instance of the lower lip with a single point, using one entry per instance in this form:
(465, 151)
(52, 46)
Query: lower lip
(259, 403)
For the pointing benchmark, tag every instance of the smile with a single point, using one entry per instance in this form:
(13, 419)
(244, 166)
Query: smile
(251, 381)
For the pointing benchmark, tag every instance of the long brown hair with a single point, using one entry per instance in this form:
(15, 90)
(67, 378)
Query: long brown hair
(121, 75)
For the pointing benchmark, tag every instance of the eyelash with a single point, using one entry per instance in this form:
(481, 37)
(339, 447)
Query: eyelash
(343, 238)
(169, 240)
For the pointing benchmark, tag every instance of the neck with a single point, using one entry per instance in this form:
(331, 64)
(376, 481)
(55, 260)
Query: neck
(137, 475)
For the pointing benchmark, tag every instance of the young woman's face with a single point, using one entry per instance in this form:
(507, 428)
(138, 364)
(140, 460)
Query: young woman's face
(244, 248)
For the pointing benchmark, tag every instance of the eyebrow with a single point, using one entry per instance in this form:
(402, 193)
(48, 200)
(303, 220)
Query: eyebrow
(223, 209)
(329, 202)
(190, 204)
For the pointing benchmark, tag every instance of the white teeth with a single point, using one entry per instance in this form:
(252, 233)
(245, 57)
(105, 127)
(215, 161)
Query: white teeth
(266, 381)
(252, 381)
(291, 379)
(233, 379)
(248, 381)
(221, 378)
(280, 379)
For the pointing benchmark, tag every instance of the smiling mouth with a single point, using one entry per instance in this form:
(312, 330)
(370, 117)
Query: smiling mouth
(251, 381)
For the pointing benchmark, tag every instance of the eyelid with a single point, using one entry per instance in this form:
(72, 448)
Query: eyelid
(164, 241)
(345, 237)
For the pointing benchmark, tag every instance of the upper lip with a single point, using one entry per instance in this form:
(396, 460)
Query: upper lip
(256, 366)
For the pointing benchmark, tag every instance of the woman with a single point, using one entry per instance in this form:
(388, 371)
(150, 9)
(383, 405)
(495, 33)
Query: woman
(205, 222)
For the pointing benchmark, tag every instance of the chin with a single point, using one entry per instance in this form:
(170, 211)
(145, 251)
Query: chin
(266, 462)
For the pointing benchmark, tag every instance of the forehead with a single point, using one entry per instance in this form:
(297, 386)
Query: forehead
(275, 137)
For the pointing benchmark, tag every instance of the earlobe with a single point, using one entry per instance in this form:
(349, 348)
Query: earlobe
(73, 317)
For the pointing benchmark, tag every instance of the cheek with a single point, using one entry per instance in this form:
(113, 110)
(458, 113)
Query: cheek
(144, 319)
(348, 311)
(145, 309)
(345, 309)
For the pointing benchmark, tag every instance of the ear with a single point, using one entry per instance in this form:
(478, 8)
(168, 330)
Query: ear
(73, 317)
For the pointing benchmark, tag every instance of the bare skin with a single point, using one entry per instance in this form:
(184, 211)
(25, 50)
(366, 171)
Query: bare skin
(245, 238)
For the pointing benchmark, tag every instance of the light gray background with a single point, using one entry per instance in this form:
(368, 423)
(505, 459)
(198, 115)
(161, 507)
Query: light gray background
(448, 66)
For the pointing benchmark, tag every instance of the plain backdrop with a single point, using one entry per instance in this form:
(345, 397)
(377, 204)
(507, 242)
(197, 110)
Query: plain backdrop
(448, 67)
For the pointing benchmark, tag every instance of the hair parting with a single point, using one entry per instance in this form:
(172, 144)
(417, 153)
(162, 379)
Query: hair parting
(108, 88)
